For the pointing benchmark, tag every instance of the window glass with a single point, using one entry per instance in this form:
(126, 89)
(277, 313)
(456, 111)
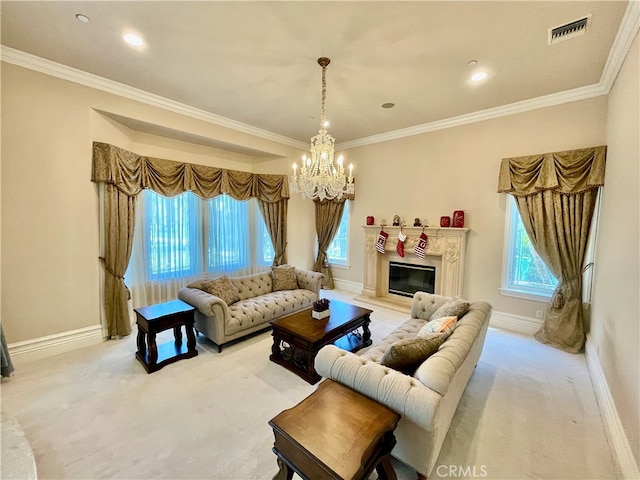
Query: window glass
(338, 251)
(171, 227)
(525, 272)
(228, 239)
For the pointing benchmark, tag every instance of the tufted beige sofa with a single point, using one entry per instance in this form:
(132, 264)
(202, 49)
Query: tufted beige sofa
(428, 399)
(258, 305)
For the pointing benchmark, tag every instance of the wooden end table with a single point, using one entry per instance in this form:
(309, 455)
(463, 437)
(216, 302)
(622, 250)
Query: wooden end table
(157, 318)
(298, 337)
(335, 433)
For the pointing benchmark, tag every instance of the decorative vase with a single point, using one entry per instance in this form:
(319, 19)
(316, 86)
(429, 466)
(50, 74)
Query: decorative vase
(320, 315)
(445, 221)
(458, 218)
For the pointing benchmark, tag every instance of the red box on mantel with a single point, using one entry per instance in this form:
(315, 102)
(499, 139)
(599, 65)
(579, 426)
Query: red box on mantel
(445, 221)
(458, 219)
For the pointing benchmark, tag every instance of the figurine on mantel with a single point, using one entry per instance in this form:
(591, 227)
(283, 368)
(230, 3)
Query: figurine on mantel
(396, 220)
(416, 222)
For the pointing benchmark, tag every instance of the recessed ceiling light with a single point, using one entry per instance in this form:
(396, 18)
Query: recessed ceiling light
(133, 39)
(82, 18)
(388, 105)
(476, 77)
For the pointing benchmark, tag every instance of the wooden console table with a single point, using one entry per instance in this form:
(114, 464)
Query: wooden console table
(157, 318)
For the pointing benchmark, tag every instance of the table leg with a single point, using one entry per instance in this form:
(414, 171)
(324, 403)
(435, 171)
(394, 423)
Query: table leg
(275, 348)
(153, 350)
(284, 472)
(191, 338)
(142, 345)
(385, 469)
(177, 334)
(366, 333)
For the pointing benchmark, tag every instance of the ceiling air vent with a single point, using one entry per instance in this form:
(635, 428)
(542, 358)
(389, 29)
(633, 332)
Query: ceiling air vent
(569, 30)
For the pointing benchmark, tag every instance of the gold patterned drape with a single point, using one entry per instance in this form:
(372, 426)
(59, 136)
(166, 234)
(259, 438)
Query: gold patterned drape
(275, 219)
(328, 217)
(126, 174)
(556, 195)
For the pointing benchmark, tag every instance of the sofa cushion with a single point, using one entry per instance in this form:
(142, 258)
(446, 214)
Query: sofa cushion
(444, 325)
(406, 355)
(284, 278)
(223, 288)
(264, 308)
(407, 329)
(456, 306)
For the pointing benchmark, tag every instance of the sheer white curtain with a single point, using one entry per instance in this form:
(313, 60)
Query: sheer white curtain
(180, 239)
(167, 247)
(228, 227)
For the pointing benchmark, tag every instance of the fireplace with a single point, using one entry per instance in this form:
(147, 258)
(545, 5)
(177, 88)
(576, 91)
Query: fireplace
(406, 279)
(445, 253)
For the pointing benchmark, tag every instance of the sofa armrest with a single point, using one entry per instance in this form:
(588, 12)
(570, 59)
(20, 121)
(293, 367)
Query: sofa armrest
(207, 304)
(309, 280)
(401, 393)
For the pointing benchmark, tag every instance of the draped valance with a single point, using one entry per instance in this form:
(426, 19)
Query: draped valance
(567, 172)
(130, 173)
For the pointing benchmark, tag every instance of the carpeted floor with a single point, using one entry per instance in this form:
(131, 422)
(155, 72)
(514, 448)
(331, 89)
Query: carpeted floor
(529, 412)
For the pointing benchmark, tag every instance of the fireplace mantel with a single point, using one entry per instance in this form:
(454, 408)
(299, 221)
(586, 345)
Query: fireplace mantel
(446, 248)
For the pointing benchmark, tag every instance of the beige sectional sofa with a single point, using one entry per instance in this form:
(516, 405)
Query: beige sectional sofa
(256, 304)
(427, 400)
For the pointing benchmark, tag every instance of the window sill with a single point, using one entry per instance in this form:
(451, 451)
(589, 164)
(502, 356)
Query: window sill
(537, 297)
(340, 266)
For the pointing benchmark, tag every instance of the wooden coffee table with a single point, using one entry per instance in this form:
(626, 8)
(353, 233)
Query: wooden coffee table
(335, 433)
(297, 338)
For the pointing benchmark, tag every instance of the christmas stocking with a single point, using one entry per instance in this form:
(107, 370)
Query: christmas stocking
(382, 240)
(421, 245)
(400, 245)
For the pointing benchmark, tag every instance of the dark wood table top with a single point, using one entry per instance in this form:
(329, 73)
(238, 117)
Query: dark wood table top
(153, 312)
(338, 426)
(303, 325)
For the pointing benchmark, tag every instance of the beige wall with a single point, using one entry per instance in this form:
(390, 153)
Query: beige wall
(615, 324)
(433, 174)
(50, 240)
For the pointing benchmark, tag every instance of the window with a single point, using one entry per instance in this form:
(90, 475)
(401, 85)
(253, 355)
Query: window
(186, 235)
(171, 234)
(338, 251)
(524, 273)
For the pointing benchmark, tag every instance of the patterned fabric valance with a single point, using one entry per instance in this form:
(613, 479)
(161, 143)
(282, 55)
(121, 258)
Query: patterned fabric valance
(564, 172)
(130, 173)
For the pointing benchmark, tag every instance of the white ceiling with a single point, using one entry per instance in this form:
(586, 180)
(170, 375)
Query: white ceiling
(255, 62)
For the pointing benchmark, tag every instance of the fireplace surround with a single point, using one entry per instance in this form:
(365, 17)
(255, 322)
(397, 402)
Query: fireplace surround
(446, 250)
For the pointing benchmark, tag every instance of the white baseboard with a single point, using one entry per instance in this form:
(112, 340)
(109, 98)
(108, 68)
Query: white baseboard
(44, 347)
(347, 285)
(515, 323)
(613, 426)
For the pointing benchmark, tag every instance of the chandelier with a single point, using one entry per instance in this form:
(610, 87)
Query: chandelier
(319, 176)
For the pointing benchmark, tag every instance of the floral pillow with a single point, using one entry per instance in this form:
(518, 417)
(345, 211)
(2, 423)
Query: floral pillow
(406, 355)
(444, 325)
(223, 288)
(284, 278)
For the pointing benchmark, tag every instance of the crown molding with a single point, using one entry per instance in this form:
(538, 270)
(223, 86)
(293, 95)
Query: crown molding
(627, 32)
(621, 44)
(629, 27)
(48, 67)
(550, 100)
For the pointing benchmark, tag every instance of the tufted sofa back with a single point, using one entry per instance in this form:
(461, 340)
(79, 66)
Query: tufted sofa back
(424, 304)
(251, 286)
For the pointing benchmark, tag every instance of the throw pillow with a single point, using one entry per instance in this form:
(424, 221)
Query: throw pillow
(284, 278)
(456, 306)
(444, 325)
(406, 355)
(223, 288)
